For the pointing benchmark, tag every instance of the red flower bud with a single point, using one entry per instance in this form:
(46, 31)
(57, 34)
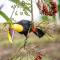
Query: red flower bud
(38, 56)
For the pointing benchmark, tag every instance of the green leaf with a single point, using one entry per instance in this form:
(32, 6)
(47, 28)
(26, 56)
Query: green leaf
(45, 18)
(15, 1)
(26, 13)
(9, 21)
(59, 7)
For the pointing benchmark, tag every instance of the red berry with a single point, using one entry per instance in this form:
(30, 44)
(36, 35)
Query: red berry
(45, 9)
(54, 8)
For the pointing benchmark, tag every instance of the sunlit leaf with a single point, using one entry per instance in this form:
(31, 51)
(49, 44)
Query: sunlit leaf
(9, 21)
(9, 37)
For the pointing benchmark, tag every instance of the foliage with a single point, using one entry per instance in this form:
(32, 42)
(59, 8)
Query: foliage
(24, 5)
(9, 21)
(45, 18)
(59, 7)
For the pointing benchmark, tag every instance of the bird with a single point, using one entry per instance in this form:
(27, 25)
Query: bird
(24, 27)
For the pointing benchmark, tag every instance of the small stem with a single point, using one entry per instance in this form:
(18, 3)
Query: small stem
(31, 11)
(13, 11)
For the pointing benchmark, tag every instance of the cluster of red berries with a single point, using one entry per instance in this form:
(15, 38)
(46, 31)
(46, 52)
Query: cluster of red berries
(52, 10)
(45, 9)
(38, 56)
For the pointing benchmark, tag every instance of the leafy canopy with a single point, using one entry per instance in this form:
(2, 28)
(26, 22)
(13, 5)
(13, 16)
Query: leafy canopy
(26, 6)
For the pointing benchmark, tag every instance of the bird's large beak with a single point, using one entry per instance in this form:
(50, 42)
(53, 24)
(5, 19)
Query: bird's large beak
(10, 35)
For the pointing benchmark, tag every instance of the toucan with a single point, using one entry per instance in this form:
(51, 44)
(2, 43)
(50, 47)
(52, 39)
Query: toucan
(24, 27)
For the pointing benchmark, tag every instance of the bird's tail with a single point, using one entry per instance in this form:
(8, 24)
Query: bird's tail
(38, 32)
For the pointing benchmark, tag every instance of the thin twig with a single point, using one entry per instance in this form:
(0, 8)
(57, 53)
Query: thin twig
(13, 11)
(25, 41)
(31, 11)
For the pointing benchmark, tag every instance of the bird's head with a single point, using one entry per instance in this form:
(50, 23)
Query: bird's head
(12, 28)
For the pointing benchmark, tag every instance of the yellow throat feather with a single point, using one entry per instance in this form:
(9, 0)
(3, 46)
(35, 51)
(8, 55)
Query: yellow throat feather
(17, 27)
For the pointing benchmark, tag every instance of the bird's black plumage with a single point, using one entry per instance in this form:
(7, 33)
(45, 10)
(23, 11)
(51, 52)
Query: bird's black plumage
(26, 25)
(39, 32)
